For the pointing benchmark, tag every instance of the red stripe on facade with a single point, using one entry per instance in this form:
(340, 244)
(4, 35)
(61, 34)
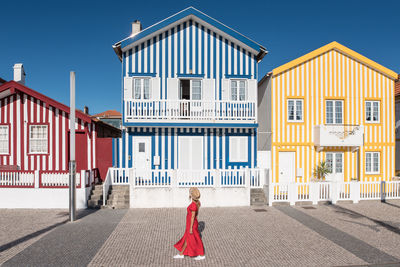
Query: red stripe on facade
(53, 115)
(60, 115)
(22, 123)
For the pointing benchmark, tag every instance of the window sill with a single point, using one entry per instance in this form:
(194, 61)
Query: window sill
(39, 154)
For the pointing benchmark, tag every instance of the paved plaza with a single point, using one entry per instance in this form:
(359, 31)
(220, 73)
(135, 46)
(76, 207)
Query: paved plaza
(361, 234)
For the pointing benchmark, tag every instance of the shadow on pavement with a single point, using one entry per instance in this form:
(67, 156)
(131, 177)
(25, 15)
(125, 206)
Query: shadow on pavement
(80, 214)
(391, 204)
(354, 214)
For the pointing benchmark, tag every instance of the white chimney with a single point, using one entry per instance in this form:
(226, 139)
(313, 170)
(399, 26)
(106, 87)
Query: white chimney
(136, 27)
(19, 73)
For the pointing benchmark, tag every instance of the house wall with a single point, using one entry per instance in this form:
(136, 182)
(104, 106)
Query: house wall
(333, 75)
(190, 48)
(165, 142)
(264, 134)
(19, 111)
(104, 155)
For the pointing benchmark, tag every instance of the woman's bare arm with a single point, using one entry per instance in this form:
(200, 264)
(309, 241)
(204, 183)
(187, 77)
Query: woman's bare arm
(192, 221)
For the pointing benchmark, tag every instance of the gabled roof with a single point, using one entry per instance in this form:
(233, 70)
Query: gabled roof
(189, 12)
(11, 87)
(108, 114)
(341, 48)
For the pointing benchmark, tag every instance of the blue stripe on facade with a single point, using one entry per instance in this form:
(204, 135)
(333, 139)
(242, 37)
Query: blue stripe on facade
(232, 58)
(154, 54)
(226, 58)
(208, 53)
(159, 146)
(184, 47)
(172, 52)
(166, 64)
(113, 151)
(202, 49)
(255, 147)
(178, 61)
(129, 67)
(243, 57)
(123, 150)
(173, 148)
(190, 45)
(153, 148)
(148, 55)
(136, 58)
(214, 63)
(208, 149)
(142, 58)
(196, 47)
(166, 159)
(220, 67)
(160, 65)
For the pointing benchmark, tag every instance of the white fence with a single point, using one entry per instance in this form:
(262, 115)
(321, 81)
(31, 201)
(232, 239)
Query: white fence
(331, 191)
(58, 179)
(17, 178)
(190, 109)
(255, 178)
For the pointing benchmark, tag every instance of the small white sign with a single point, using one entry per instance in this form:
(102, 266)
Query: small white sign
(156, 160)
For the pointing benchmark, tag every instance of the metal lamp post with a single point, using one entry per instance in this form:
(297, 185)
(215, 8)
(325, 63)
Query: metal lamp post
(72, 163)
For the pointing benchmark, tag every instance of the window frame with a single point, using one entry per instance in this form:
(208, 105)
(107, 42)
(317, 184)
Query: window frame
(372, 101)
(29, 138)
(334, 112)
(8, 125)
(239, 156)
(246, 90)
(295, 110)
(372, 172)
(141, 87)
(191, 88)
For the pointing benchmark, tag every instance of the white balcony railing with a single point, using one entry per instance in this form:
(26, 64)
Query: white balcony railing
(338, 135)
(199, 110)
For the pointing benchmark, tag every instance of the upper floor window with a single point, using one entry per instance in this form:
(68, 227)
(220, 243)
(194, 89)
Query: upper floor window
(4, 144)
(334, 111)
(38, 139)
(295, 110)
(141, 88)
(372, 162)
(190, 89)
(372, 111)
(238, 90)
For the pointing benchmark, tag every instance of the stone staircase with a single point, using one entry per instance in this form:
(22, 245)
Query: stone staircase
(257, 197)
(118, 197)
(96, 197)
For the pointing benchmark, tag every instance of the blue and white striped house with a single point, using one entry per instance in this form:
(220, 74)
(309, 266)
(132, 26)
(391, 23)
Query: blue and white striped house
(189, 97)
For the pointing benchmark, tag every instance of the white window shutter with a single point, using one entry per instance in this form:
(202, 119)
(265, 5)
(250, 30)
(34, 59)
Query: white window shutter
(225, 89)
(155, 86)
(208, 90)
(173, 88)
(252, 90)
(128, 87)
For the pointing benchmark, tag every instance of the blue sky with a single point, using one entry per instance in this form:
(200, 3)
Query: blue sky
(52, 38)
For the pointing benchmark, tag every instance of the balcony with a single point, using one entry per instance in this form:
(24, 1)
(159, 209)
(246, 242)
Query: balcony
(220, 111)
(338, 135)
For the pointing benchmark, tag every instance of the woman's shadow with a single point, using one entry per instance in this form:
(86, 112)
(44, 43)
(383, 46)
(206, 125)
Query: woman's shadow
(202, 226)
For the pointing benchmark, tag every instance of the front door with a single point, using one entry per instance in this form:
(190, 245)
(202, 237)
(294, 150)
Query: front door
(142, 153)
(286, 167)
(334, 160)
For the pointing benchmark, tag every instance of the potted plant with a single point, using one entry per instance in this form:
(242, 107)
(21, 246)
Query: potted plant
(321, 171)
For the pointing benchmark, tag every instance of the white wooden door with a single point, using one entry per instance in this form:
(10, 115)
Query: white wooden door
(335, 163)
(190, 155)
(142, 153)
(286, 167)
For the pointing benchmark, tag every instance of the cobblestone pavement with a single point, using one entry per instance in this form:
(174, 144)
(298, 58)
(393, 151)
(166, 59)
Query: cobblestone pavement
(20, 228)
(325, 235)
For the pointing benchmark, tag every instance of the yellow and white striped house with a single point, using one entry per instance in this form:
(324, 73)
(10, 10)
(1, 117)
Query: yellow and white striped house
(331, 105)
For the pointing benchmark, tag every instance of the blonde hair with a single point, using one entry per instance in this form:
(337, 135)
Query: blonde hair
(194, 194)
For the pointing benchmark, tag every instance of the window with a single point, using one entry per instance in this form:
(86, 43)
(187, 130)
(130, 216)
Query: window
(4, 145)
(38, 135)
(141, 88)
(372, 111)
(372, 163)
(295, 110)
(334, 162)
(334, 112)
(238, 148)
(238, 90)
(190, 90)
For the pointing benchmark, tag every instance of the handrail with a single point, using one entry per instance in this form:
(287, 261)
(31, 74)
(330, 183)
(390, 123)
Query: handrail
(106, 185)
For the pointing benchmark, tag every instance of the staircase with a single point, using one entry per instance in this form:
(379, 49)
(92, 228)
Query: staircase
(96, 197)
(118, 197)
(257, 197)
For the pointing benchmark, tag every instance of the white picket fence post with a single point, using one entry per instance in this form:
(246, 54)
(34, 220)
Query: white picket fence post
(314, 193)
(355, 191)
(292, 192)
(37, 180)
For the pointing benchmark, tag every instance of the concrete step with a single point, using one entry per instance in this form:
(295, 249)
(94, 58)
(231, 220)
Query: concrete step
(117, 202)
(94, 203)
(118, 197)
(96, 197)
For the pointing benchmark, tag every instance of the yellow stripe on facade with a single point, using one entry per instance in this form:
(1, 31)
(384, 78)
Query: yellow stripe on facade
(341, 48)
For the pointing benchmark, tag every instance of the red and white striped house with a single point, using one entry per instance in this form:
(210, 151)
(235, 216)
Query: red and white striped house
(34, 132)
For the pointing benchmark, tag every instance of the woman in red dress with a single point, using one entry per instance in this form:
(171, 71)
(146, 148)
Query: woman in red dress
(191, 244)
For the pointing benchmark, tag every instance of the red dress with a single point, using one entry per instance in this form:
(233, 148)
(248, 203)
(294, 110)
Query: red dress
(194, 245)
